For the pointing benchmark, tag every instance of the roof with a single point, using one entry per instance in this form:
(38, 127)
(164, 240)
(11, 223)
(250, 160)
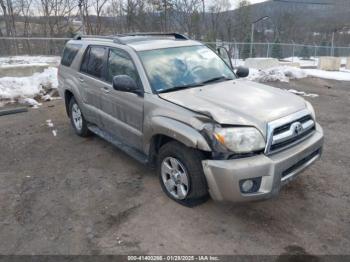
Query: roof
(151, 44)
(143, 41)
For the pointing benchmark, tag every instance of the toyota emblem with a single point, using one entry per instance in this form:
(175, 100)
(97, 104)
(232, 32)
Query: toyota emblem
(297, 128)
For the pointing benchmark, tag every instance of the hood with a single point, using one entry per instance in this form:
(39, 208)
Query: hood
(238, 102)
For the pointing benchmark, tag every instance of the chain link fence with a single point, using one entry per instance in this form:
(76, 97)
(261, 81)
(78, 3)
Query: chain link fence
(32, 46)
(241, 50)
(238, 50)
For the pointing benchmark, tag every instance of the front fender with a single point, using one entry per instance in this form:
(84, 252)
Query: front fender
(178, 131)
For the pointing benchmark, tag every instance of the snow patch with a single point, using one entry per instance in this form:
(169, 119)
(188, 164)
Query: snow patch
(343, 75)
(25, 89)
(23, 65)
(312, 62)
(22, 60)
(29, 101)
(301, 93)
(286, 73)
(281, 73)
(49, 123)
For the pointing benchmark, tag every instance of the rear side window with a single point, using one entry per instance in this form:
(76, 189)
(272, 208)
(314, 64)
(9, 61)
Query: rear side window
(69, 53)
(93, 61)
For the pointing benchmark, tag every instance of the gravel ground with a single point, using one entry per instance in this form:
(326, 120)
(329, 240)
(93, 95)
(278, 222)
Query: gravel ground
(69, 195)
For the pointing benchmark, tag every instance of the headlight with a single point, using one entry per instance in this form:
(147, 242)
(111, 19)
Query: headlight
(311, 109)
(240, 139)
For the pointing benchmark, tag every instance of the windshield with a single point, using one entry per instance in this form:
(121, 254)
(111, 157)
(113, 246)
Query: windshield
(173, 68)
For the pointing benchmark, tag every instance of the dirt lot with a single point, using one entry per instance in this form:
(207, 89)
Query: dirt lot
(69, 195)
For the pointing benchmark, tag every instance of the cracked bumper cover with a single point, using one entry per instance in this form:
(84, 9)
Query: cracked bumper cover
(223, 176)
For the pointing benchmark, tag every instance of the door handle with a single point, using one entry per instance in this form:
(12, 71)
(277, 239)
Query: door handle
(105, 89)
(81, 79)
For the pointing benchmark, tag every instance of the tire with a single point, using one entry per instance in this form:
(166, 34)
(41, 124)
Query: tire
(188, 165)
(74, 110)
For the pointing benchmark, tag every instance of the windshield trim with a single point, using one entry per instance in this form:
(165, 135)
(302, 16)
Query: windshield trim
(146, 72)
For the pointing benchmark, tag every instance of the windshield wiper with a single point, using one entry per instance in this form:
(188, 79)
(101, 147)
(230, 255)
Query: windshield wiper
(176, 88)
(216, 79)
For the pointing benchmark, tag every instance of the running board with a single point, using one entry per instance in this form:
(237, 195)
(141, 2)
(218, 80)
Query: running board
(117, 142)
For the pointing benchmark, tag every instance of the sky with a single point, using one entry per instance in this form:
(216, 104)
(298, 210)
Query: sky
(256, 1)
(234, 3)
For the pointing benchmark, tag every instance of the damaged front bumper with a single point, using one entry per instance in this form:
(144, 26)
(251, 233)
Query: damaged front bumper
(274, 171)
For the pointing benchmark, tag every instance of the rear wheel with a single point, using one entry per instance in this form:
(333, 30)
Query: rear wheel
(181, 174)
(77, 119)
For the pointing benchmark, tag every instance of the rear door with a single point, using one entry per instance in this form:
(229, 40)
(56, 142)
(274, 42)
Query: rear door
(91, 77)
(123, 111)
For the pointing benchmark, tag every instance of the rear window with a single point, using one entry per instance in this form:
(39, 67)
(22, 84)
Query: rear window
(69, 53)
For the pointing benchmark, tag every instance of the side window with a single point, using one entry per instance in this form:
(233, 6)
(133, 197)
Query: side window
(120, 63)
(84, 64)
(93, 61)
(69, 53)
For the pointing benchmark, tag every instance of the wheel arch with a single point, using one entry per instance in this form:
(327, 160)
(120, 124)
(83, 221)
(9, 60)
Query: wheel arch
(67, 97)
(166, 130)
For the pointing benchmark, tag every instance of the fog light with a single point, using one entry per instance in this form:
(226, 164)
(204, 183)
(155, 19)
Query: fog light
(251, 185)
(247, 185)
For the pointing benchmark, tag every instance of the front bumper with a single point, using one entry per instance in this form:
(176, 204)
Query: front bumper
(276, 170)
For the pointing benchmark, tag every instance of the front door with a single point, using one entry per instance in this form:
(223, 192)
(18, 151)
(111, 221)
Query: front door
(122, 111)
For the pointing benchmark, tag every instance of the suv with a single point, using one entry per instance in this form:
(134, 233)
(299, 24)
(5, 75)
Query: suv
(179, 106)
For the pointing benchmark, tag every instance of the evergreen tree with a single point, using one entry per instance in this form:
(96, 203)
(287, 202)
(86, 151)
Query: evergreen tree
(324, 49)
(246, 49)
(305, 54)
(336, 52)
(71, 32)
(276, 51)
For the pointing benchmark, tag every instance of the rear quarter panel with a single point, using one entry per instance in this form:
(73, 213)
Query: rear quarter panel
(68, 78)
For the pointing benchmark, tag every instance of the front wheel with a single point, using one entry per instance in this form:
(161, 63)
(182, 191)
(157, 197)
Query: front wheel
(77, 119)
(181, 174)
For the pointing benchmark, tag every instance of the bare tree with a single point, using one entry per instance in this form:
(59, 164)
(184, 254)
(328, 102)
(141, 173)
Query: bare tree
(216, 11)
(56, 15)
(98, 6)
(9, 17)
(25, 11)
(243, 21)
(188, 15)
(115, 10)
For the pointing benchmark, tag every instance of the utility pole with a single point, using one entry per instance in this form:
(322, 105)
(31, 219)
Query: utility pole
(165, 14)
(251, 41)
(252, 33)
(203, 9)
(80, 3)
(333, 37)
(332, 49)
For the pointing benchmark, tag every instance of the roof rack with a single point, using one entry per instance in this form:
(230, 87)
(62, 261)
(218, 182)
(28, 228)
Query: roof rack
(175, 35)
(111, 37)
(118, 38)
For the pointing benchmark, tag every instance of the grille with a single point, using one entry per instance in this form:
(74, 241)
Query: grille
(288, 131)
(286, 127)
(292, 140)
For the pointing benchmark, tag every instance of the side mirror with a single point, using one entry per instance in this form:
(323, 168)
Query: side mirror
(125, 83)
(242, 72)
(223, 53)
